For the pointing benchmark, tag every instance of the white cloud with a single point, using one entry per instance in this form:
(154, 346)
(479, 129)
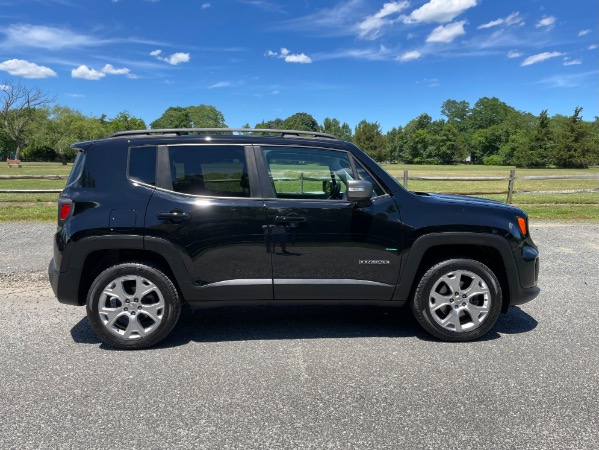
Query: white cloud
(73, 95)
(447, 33)
(440, 11)
(289, 57)
(371, 26)
(546, 22)
(86, 73)
(26, 69)
(584, 32)
(50, 38)
(534, 59)
(514, 54)
(300, 58)
(174, 59)
(206, 5)
(490, 24)
(110, 70)
(409, 56)
(220, 84)
(571, 62)
(513, 19)
(593, 46)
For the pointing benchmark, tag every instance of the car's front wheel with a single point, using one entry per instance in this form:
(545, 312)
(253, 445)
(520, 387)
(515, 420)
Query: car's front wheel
(132, 306)
(458, 300)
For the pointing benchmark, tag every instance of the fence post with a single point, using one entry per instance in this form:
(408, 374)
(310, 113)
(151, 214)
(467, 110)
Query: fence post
(510, 186)
(405, 179)
(301, 182)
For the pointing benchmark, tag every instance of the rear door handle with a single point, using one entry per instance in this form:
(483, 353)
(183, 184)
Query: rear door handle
(290, 219)
(174, 216)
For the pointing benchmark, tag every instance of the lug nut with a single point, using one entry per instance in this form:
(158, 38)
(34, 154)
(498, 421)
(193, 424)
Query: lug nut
(127, 301)
(464, 296)
(132, 313)
(139, 307)
(125, 309)
(135, 299)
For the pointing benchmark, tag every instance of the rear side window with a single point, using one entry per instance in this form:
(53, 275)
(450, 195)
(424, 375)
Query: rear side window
(77, 169)
(142, 164)
(213, 170)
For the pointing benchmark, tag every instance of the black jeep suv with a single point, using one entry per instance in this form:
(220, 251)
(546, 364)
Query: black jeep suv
(151, 219)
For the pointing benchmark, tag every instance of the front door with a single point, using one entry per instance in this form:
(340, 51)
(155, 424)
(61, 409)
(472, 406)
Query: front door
(323, 246)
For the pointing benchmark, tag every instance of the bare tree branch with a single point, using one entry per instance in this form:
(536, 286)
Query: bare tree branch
(17, 106)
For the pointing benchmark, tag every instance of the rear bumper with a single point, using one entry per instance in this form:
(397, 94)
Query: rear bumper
(65, 290)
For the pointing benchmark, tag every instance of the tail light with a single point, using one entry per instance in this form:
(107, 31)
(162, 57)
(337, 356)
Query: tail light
(65, 206)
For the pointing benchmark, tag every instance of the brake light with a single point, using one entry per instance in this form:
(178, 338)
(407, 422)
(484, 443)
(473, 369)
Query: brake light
(522, 225)
(65, 209)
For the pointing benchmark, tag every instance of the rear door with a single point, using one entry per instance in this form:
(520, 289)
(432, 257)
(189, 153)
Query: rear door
(209, 206)
(323, 246)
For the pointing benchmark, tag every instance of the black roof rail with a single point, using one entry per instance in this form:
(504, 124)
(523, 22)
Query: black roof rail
(241, 131)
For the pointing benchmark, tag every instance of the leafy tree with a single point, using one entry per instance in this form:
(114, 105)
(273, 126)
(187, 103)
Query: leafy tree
(17, 109)
(123, 121)
(62, 127)
(369, 137)
(536, 151)
(202, 116)
(456, 113)
(301, 121)
(396, 142)
(276, 124)
(206, 116)
(445, 144)
(332, 126)
(573, 146)
(488, 112)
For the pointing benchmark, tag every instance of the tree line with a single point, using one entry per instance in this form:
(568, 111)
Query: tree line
(488, 132)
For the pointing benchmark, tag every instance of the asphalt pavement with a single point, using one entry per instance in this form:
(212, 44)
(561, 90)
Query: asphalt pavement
(303, 377)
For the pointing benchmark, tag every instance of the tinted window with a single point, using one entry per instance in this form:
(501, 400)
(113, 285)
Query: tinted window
(306, 173)
(142, 164)
(364, 175)
(209, 170)
(76, 169)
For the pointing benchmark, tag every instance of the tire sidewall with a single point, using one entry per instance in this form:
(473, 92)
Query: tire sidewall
(430, 278)
(172, 305)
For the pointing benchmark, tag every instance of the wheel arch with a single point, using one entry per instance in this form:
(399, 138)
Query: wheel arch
(491, 250)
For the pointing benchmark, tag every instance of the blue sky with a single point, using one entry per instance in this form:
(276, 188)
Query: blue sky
(258, 60)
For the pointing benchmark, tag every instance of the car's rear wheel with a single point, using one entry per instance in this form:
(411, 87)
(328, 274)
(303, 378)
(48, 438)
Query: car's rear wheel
(132, 306)
(458, 300)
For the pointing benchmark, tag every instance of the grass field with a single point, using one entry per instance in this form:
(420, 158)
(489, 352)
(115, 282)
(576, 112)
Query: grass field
(560, 207)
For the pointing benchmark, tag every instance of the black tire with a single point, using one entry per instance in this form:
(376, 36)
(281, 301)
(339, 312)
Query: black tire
(132, 306)
(458, 300)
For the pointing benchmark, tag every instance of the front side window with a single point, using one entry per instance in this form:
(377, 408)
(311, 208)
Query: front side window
(306, 173)
(210, 170)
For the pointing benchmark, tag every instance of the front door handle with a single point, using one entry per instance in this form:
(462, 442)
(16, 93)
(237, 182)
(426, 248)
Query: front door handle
(175, 216)
(290, 219)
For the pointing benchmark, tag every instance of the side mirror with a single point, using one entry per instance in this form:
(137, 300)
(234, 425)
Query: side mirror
(359, 191)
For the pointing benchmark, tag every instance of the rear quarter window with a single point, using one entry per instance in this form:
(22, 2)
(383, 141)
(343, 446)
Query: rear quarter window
(142, 164)
(77, 169)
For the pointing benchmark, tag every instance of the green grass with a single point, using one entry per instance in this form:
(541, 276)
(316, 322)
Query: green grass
(560, 207)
